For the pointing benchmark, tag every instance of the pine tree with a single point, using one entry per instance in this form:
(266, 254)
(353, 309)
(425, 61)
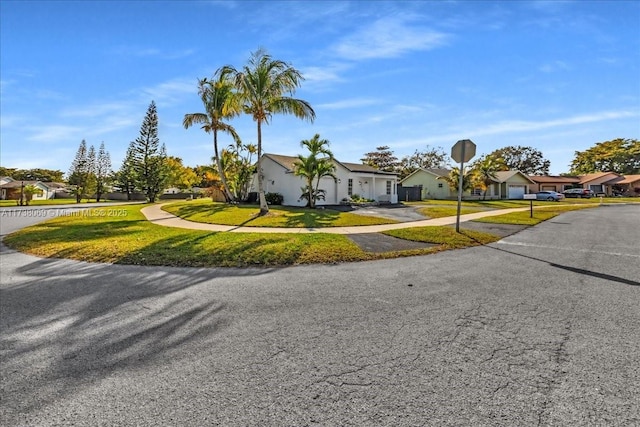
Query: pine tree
(149, 157)
(126, 176)
(81, 171)
(102, 171)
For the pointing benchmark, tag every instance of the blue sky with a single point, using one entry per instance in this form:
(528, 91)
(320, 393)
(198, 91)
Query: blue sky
(558, 76)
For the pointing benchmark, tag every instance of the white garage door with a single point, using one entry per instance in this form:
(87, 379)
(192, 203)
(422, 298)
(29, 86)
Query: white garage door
(515, 191)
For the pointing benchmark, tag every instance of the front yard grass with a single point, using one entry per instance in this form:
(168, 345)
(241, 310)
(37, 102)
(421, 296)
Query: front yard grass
(539, 215)
(443, 211)
(278, 216)
(130, 239)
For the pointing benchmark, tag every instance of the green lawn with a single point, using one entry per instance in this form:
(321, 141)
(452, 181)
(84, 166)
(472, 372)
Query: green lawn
(129, 238)
(445, 236)
(443, 211)
(278, 216)
(539, 215)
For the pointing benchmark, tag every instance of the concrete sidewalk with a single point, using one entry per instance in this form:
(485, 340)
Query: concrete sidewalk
(156, 215)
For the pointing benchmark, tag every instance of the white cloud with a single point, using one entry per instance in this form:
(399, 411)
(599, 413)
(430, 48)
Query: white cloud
(554, 66)
(56, 133)
(170, 90)
(152, 52)
(387, 38)
(348, 103)
(97, 109)
(321, 74)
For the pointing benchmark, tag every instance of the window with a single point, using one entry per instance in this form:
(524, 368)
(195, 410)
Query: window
(476, 192)
(350, 187)
(388, 187)
(440, 185)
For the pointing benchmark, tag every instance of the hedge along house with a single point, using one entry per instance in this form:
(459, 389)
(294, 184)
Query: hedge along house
(352, 178)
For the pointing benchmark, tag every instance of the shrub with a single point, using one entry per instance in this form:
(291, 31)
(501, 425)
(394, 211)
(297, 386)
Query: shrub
(274, 198)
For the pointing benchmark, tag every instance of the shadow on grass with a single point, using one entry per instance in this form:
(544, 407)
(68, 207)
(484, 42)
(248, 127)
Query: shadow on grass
(59, 232)
(311, 218)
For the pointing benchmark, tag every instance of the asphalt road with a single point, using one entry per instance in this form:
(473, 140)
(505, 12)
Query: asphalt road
(541, 328)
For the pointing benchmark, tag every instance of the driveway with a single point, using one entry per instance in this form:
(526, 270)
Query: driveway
(540, 328)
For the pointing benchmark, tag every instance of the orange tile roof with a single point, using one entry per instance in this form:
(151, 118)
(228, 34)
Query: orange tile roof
(629, 179)
(594, 176)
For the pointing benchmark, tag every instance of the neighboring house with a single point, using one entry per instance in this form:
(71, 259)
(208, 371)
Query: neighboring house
(431, 183)
(629, 186)
(510, 185)
(553, 183)
(352, 178)
(507, 185)
(606, 183)
(10, 189)
(601, 182)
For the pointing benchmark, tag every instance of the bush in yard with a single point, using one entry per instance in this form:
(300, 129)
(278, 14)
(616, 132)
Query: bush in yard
(274, 198)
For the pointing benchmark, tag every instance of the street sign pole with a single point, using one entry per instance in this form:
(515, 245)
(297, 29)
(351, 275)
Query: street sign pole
(460, 180)
(462, 151)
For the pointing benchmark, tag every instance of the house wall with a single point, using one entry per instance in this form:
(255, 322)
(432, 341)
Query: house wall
(510, 189)
(629, 188)
(278, 180)
(432, 188)
(597, 185)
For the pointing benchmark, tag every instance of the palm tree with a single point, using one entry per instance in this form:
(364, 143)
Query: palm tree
(264, 87)
(454, 179)
(485, 169)
(315, 168)
(215, 95)
(29, 191)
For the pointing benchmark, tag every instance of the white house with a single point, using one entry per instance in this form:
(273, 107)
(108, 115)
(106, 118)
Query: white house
(10, 189)
(363, 180)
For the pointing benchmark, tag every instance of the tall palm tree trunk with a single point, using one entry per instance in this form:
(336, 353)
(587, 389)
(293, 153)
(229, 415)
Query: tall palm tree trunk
(264, 208)
(225, 187)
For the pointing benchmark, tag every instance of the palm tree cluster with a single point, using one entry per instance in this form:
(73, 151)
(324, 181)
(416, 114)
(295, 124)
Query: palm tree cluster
(313, 167)
(261, 88)
(481, 174)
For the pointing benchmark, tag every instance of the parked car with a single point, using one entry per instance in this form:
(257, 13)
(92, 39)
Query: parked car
(549, 195)
(578, 192)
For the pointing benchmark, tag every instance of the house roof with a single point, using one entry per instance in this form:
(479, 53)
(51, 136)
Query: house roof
(357, 167)
(543, 179)
(18, 184)
(504, 176)
(439, 173)
(594, 176)
(284, 161)
(287, 162)
(629, 179)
